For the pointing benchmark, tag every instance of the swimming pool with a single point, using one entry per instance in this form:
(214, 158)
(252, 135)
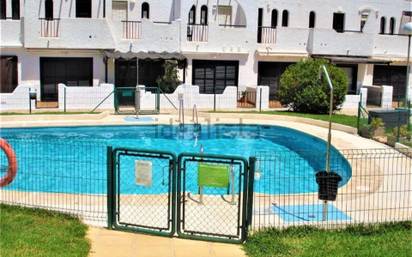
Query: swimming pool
(73, 159)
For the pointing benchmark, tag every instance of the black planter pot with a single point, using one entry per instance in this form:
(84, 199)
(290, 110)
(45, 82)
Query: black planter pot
(328, 185)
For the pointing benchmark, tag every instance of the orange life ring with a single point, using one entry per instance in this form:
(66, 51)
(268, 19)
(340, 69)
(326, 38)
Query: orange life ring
(11, 157)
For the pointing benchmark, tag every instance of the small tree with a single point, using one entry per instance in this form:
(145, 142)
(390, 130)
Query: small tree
(170, 80)
(303, 89)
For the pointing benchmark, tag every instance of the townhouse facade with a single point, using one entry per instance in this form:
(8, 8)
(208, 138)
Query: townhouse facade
(217, 43)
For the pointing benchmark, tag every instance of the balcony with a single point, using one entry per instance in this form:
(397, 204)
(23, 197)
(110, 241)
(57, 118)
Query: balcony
(131, 29)
(146, 36)
(197, 33)
(11, 33)
(215, 38)
(49, 28)
(266, 35)
(77, 33)
(390, 46)
(283, 40)
(330, 42)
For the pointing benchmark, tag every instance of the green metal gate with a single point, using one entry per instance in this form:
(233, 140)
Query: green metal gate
(197, 196)
(214, 200)
(141, 189)
(125, 100)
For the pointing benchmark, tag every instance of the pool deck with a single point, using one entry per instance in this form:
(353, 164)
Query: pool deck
(375, 195)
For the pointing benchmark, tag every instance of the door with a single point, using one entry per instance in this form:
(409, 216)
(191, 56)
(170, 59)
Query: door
(351, 71)
(69, 71)
(150, 71)
(125, 80)
(213, 77)
(8, 71)
(394, 76)
(269, 74)
(339, 22)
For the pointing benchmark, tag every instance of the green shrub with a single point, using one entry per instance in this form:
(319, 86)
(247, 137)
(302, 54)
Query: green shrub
(170, 80)
(303, 90)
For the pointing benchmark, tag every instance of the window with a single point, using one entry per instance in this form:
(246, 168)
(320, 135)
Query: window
(364, 19)
(213, 77)
(192, 15)
(339, 22)
(285, 18)
(83, 8)
(3, 14)
(406, 17)
(15, 9)
(225, 14)
(48, 10)
(274, 20)
(392, 24)
(312, 19)
(8, 71)
(260, 23)
(203, 15)
(119, 10)
(145, 11)
(383, 25)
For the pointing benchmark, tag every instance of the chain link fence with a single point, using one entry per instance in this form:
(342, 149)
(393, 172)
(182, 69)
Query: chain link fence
(388, 126)
(72, 181)
(375, 186)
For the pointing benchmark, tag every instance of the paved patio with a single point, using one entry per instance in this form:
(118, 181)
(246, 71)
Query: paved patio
(112, 243)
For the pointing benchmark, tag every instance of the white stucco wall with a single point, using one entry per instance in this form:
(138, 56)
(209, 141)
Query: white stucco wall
(18, 100)
(28, 67)
(191, 97)
(86, 98)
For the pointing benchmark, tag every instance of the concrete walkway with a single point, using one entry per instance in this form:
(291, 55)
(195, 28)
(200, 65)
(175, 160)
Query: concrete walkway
(112, 243)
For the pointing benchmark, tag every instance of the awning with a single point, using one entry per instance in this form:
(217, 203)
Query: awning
(352, 60)
(145, 55)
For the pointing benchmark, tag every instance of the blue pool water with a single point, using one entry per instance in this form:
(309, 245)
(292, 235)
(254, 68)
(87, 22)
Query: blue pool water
(73, 159)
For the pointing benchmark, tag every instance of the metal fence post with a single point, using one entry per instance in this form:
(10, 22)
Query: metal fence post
(29, 102)
(251, 180)
(110, 193)
(64, 91)
(359, 114)
(214, 101)
(398, 125)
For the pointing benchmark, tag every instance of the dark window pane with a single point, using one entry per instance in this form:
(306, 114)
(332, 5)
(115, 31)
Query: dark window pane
(15, 9)
(48, 10)
(8, 71)
(3, 9)
(145, 11)
(83, 8)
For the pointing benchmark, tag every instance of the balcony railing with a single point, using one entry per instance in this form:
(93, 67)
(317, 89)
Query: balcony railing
(267, 35)
(131, 29)
(49, 27)
(197, 33)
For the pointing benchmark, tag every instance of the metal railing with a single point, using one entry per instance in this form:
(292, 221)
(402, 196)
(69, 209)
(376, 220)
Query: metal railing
(246, 99)
(197, 33)
(195, 117)
(49, 27)
(132, 29)
(267, 35)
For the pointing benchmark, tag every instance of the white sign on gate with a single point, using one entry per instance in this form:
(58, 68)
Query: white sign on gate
(143, 173)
